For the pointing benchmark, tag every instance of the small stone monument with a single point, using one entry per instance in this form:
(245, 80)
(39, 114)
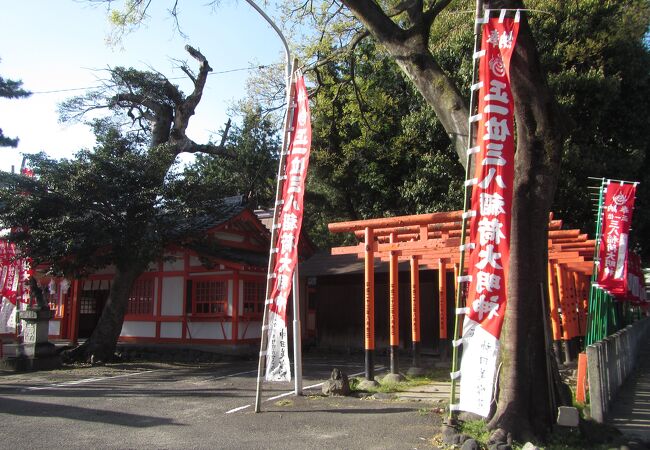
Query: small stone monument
(36, 352)
(338, 384)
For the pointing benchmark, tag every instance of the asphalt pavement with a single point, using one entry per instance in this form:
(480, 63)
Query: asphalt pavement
(202, 406)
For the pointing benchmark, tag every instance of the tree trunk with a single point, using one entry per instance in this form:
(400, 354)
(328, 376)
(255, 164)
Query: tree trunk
(524, 401)
(524, 408)
(410, 50)
(103, 341)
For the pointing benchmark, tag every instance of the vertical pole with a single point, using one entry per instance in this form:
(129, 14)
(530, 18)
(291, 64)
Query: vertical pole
(234, 332)
(75, 310)
(594, 314)
(566, 313)
(287, 119)
(442, 307)
(573, 307)
(415, 309)
(554, 306)
(547, 348)
(369, 303)
(269, 281)
(577, 283)
(297, 334)
(394, 307)
(473, 104)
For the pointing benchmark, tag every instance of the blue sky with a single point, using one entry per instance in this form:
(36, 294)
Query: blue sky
(58, 45)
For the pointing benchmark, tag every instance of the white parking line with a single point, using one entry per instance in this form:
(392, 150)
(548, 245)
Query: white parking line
(286, 394)
(84, 381)
(233, 375)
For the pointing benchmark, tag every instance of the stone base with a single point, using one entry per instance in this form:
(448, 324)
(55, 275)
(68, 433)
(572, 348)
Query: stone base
(416, 372)
(393, 378)
(568, 416)
(32, 357)
(25, 364)
(366, 385)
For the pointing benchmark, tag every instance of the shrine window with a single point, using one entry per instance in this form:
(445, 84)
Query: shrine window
(254, 292)
(210, 297)
(141, 299)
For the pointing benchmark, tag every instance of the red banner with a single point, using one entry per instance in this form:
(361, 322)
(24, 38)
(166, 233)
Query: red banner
(10, 271)
(493, 178)
(635, 282)
(290, 220)
(618, 205)
(289, 225)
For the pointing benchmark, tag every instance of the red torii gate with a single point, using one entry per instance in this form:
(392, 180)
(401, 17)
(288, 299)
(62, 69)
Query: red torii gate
(432, 241)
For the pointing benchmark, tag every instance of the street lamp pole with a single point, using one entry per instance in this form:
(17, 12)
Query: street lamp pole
(284, 43)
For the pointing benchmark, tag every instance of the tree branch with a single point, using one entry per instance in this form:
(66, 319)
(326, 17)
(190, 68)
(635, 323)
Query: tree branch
(186, 109)
(186, 145)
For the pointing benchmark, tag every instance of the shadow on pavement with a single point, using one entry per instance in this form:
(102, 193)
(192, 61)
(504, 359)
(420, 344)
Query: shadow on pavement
(39, 409)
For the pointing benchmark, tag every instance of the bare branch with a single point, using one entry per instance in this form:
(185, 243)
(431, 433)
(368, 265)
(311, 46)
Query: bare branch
(341, 51)
(186, 145)
(189, 73)
(358, 96)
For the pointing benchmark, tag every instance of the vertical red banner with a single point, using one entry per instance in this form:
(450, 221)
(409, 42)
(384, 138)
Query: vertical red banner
(493, 178)
(618, 206)
(490, 213)
(289, 225)
(290, 220)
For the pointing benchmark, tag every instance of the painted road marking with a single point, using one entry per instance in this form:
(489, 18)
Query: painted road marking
(286, 394)
(232, 375)
(84, 381)
(92, 380)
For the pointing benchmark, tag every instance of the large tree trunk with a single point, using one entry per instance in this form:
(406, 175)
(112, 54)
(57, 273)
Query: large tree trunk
(103, 341)
(524, 406)
(410, 50)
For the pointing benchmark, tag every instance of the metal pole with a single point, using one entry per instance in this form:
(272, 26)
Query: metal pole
(297, 334)
(463, 230)
(287, 119)
(594, 313)
(284, 43)
(271, 265)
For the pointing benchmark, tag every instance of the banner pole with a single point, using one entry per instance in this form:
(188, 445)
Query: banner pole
(278, 193)
(466, 200)
(297, 334)
(288, 79)
(593, 319)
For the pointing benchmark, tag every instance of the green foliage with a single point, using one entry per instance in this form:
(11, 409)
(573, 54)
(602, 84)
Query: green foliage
(408, 383)
(590, 435)
(599, 67)
(106, 206)
(11, 89)
(251, 173)
(377, 148)
(151, 91)
(476, 429)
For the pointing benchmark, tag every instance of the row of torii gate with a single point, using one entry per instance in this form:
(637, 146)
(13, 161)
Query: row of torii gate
(432, 241)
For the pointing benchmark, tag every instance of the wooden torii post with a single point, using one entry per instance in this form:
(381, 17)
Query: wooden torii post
(432, 241)
(401, 232)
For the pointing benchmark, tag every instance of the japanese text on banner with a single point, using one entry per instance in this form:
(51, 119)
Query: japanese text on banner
(286, 246)
(618, 206)
(491, 204)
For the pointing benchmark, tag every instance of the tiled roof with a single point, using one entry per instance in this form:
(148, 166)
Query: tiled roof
(323, 263)
(198, 224)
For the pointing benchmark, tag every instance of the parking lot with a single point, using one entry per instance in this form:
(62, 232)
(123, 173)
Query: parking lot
(166, 405)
